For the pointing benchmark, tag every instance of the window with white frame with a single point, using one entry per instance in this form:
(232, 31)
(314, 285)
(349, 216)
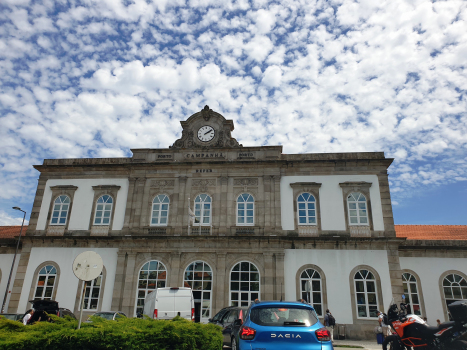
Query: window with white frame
(203, 210)
(455, 289)
(410, 285)
(306, 209)
(198, 277)
(244, 284)
(358, 213)
(160, 210)
(366, 294)
(245, 210)
(60, 210)
(103, 210)
(311, 289)
(45, 283)
(152, 275)
(92, 293)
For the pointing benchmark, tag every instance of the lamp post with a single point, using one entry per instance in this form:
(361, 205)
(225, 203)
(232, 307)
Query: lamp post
(14, 259)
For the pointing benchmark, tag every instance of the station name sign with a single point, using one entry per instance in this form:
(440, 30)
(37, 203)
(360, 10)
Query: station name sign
(210, 155)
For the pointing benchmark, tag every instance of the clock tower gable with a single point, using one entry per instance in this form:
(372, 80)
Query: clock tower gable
(206, 129)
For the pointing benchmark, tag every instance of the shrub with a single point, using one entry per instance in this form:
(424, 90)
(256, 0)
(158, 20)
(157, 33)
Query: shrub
(125, 333)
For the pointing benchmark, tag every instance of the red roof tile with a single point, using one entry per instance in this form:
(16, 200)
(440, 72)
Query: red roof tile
(11, 231)
(432, 232)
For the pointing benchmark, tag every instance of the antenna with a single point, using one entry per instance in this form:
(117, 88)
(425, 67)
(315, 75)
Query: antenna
(86, 267)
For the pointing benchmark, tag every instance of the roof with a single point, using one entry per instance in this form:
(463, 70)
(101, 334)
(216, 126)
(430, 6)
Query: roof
(432, 232)
(11, 231)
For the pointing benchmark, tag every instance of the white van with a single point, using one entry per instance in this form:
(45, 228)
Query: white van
(166, 303)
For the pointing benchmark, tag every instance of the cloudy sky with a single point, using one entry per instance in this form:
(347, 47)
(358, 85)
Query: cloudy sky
(95, 78)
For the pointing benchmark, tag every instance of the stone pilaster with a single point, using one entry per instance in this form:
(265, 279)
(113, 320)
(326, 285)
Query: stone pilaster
(279, 279)
(36, 207)
(269, 274)
(129, 205)
(129, 288)
(120, 273)
(388, 219)
(277, 202)
(18, 281)
(175, 274)
(220, 285)
(145, 210)
(267, 204)
(184, 199)
(395, 273)
(224, 213)
(135, 220)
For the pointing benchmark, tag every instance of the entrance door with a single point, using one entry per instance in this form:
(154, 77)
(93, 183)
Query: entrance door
(197, 300)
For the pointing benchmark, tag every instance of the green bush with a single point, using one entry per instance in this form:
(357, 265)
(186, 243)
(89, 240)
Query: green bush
(125, 333)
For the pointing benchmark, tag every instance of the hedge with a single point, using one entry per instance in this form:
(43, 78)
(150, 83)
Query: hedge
(125, 333)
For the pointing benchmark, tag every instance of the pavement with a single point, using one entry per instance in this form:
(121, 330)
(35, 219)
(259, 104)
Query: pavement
(368, 345)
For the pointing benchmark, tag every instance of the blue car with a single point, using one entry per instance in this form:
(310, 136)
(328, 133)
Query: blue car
(281, 325)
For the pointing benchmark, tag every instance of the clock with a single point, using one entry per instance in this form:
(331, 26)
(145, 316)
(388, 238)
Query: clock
(206, 133)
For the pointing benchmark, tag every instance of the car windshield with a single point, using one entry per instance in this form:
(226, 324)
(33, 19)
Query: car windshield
(106, 315)
(283, 316)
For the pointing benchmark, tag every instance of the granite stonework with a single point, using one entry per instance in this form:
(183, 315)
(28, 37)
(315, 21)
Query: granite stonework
(224, 169)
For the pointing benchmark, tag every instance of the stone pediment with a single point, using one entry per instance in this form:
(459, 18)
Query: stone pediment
(206, 129)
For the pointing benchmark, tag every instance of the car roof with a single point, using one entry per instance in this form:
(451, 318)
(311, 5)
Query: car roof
(280, 304)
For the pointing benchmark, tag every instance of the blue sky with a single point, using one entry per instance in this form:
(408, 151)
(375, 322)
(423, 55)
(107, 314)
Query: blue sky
(96, 78)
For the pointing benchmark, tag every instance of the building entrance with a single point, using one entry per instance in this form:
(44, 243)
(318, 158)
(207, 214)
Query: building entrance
(198, 277)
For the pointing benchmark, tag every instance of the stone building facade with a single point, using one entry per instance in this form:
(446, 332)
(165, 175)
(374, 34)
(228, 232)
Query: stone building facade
(234, 223)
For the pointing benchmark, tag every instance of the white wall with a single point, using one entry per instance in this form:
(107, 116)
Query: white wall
(5, 265)
(68, 283)
(337, 265)
(331, 200)
(429, 270)
(83, 200)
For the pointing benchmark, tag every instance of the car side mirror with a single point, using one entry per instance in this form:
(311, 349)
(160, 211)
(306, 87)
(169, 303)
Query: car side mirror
(238, 322)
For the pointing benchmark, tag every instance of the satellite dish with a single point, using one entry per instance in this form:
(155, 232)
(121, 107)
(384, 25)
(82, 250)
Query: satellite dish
(88, 266)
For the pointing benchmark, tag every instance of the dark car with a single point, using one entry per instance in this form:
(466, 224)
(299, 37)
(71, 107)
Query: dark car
(43, 307)
(13, 317)
(66, 312)
(226, 318)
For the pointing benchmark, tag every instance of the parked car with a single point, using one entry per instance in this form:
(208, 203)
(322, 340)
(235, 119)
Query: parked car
(278, 325)
(66, 312)
(166, 303)
(50, 307)
(13, 317)
(226, 318)
(108, 315)
(41, 307)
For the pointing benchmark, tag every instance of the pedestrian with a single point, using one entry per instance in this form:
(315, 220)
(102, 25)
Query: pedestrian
(438, 322)
(28, 316)
(382, 323)
(329, 323)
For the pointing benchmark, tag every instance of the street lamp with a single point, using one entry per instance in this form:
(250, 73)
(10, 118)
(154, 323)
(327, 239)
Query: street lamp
(14, 259)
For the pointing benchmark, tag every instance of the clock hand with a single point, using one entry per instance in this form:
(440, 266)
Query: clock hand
(207, 132)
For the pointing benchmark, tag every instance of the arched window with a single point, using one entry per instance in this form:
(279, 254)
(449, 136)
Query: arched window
(455, 289)
(60, 210)
(358, 214)
(152, 275)
(411, 293)
(198, 276)
(244, 284)
(45, 283)
(311, 289)
(366, 294)
(245, 210)
(306, 209)
(203, 210)
(92, 293)
(103, 210)
(160, 210)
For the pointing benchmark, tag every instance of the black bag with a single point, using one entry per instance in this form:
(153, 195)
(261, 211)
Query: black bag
(458, 310)
(385, 319)
(331, 320)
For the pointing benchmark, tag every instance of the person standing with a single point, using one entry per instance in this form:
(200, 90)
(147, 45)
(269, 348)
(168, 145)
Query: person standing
(382, 324)
(329, 323)
(28, 316)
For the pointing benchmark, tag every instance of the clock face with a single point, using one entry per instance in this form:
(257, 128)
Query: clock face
(206, 133)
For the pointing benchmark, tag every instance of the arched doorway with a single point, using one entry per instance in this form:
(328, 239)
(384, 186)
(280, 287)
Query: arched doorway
(198, 277)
